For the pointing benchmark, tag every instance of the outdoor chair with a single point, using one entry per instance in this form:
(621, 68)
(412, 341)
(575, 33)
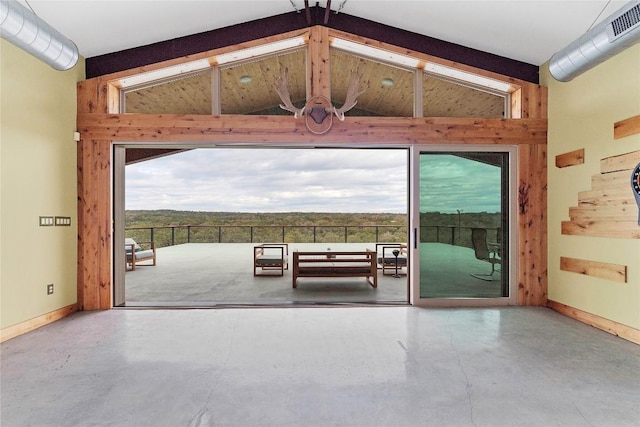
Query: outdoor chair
(387, 260)
(270, 257)
(482, 252)
(134, 253)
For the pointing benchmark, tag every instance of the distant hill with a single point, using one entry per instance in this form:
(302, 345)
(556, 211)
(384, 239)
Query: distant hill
(146, 218)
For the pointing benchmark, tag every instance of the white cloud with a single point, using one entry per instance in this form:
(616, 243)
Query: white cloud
(271, 180)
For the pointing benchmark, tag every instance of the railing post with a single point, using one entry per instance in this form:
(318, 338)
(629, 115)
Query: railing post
(173, 236)
(437, 234)
(188, 234)
(219, 234)
(377, 234)
(314, 234)
(283, 234)
(345, 234)
(251, 234)
(151, 228)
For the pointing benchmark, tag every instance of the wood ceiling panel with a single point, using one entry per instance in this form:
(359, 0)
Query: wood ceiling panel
(442, 98)
(190, 95)
(259, 95)
(380, 100)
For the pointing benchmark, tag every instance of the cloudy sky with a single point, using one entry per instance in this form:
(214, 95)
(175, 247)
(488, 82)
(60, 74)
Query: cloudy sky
(304, 180)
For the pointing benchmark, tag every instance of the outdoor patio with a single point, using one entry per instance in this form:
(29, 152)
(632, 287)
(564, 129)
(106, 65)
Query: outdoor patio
(209, 274)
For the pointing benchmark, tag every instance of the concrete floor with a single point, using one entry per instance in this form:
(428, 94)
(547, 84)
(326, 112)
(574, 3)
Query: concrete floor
(330, 366)
(207, 274)
(204, 274)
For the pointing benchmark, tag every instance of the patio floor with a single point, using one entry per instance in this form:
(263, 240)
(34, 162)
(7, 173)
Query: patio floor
(209, 274)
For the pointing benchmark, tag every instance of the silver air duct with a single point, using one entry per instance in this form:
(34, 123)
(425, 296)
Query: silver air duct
(24, 29)
(611, 36)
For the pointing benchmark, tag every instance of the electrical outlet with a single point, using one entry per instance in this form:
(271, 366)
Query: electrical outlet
(49, 288)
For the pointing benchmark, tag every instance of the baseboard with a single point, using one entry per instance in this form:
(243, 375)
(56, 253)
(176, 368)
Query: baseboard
(37, 322)
(618, 329)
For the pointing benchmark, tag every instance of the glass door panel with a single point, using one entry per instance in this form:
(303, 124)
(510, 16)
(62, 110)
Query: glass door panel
(461, 219)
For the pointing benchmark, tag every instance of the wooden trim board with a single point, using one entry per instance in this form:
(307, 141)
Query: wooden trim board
(621, 162)
(37, 322)
(602, 270)
(571, 158)
(630, 126)
(618, 329)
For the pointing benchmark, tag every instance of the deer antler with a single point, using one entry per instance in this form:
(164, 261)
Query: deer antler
(282, 88)
(352, 96)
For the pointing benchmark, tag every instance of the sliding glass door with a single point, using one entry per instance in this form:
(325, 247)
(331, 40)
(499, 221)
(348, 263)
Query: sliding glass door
(462, 226)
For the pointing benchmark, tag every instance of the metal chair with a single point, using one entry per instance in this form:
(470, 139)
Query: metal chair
(482, 252)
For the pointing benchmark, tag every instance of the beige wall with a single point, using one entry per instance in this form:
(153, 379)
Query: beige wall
(37, 177)
(581, 115)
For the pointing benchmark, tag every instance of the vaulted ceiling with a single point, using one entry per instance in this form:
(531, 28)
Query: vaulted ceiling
(524, 30)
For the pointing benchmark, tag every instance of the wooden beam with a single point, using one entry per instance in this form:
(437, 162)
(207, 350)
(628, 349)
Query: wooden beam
(614, 328)
(571, 158)
(307, 11)
(327, 11)
(630, 126)
(286, 129)
(319, 63)
(603, 270)
(532, 229)
(94, 225)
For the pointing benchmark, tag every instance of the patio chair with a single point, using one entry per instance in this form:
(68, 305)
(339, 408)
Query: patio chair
(134, 253)
(482, 252)
(270, 257)
(387, 260)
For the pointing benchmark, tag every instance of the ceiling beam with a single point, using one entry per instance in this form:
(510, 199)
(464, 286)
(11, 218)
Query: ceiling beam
(327, 11)
(307, 11)
(248, 31)
(260, 130)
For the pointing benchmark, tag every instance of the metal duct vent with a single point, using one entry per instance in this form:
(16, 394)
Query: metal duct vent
(610, 37)
(626, 21)
(27, 31)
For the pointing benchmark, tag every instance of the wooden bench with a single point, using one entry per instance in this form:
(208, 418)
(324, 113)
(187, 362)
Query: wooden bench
(335, 264)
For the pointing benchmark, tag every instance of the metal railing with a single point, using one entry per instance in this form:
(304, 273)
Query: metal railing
(171, 235)
(178, 234)
(456, 235)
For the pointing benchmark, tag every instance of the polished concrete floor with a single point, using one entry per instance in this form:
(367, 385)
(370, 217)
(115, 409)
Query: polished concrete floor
(323, 366)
